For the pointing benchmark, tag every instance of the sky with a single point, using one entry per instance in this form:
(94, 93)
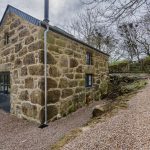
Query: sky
(60, 10)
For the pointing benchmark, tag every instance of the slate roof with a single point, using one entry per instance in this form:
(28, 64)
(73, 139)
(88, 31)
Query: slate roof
(37, 22)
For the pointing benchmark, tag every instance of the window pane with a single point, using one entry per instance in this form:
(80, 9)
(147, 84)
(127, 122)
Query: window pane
(88, 58)
(90, 80)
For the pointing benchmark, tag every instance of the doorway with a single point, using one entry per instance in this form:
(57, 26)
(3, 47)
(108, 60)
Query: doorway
(5, 91)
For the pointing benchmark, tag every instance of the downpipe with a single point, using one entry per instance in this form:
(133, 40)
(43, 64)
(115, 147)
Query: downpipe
(43, 125)
(45, 70)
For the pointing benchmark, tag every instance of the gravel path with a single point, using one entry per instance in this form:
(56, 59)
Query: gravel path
(17, 134)
(128, 130)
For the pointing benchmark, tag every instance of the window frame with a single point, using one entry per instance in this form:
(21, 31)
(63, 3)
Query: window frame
(88, 81)
(89, 58)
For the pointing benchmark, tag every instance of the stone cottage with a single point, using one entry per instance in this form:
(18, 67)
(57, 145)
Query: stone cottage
(77, 72)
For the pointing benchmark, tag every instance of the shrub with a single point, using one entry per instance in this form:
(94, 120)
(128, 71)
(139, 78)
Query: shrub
(119, 66)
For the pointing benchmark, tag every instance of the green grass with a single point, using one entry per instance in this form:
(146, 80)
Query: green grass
(121, 102)
(66, 139)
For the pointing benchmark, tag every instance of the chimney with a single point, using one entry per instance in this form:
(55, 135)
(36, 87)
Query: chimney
(46, 11)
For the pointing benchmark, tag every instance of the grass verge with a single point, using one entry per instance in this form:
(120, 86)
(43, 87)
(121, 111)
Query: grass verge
(66, 139)
(112, 106)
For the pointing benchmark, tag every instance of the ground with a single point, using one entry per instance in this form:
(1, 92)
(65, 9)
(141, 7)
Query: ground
(127, 130)
(17, 134)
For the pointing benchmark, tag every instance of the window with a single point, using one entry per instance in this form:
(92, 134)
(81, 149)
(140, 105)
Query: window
(89, 80)
(4, 82)
(6, 38)
(88, 58)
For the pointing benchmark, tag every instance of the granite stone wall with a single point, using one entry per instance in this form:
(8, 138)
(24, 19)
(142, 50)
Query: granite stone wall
(66, 75)
(24, 58)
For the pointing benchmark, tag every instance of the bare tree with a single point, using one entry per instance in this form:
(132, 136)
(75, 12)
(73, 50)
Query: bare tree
(86, 27)
(128, 32)
(115, 10)
(143, 34)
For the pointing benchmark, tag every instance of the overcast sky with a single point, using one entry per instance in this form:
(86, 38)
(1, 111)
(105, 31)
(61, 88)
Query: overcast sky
(60, 10)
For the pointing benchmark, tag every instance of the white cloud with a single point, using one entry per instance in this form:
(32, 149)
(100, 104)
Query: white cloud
(60, 10)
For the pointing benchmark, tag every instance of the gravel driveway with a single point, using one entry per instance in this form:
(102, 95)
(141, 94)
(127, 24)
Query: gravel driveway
(17, 134)
(128, 130)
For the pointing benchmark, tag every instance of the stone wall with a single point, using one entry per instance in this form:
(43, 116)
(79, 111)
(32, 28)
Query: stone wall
(24, 58)
(21, 56)
(66, 75)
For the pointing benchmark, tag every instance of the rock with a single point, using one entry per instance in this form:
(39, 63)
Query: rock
(12, 58)
(18, 63)
(61, 43)
(15, 24)
(53, 71)
(98, 111)
(63, 83)
(15, 74)
(18, 47)
(51, 83)
(36, 70)
(29, 110)
(37, 97)
(29, 40)
(82, 83)
(14, 40)
(23, 51)
(29, 59)
(29, 83)
(79, 69)
(50, 58)
(53, 96)
(79, 89)
(66, 93)
(73, 83)
(79, 100)
(24, 33)
(6, 52)
(24, 95)
(73, 63)
(63, 61)
(55, 49)
(69, 75)
(66, 107)
(36, 46)
(50, 39)
(68, 52)
(24, 71)
(14, 89)
(52, 112)
(78, 76)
